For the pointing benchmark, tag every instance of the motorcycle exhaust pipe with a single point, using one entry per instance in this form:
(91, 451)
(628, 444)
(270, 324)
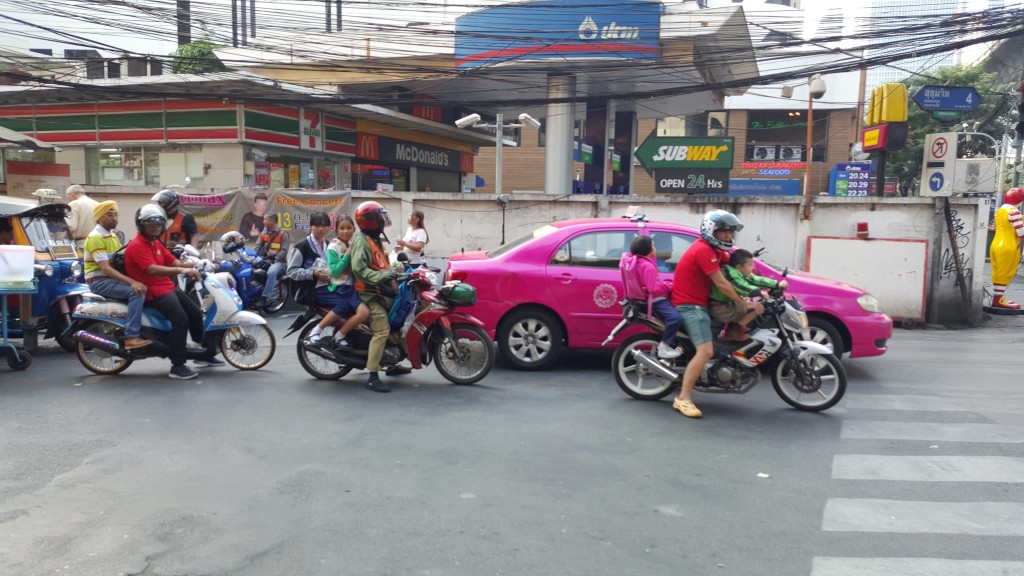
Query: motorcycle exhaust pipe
(100, 343)
(655, 366)
(336, 356)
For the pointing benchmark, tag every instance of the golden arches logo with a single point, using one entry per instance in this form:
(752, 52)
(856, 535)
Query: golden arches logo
(368, 145)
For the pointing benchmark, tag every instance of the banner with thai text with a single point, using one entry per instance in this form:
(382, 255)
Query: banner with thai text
(243, 210)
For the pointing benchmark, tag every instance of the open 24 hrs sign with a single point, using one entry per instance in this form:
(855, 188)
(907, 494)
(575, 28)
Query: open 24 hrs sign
(706, 181)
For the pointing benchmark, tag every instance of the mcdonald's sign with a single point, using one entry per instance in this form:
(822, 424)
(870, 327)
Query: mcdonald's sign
(368, 146)
(466, 163)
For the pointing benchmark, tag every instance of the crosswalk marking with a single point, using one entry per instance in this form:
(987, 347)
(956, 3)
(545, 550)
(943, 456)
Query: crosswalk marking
(874, 430)
(928, 468)
(832, 566)
(933, 404)
(906, 517)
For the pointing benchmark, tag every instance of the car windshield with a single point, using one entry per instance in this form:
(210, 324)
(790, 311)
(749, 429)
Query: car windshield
(510, 246)
(46, 232)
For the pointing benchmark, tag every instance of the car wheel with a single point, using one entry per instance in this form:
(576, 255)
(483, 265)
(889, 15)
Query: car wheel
(530, 339)
(822, 331)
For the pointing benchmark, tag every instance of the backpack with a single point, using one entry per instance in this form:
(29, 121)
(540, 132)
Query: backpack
(403, 307)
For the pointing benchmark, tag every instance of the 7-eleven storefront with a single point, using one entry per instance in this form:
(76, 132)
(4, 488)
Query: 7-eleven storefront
(206, 144)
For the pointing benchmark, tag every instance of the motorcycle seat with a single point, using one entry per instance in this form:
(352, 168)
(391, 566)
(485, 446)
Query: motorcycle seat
(97, 298)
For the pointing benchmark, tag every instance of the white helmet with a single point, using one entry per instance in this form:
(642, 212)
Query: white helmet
(233, 241)
(719, 220)
(150, 214)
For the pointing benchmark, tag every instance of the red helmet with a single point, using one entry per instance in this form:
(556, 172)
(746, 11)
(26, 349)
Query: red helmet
(372, 217)
(1014, 196)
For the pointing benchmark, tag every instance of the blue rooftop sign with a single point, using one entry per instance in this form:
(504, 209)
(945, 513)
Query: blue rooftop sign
(947, 98)
(558, 30)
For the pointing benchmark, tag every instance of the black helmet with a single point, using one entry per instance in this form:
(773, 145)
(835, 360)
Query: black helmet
(167, 199)
(150, 214)
(233, 241)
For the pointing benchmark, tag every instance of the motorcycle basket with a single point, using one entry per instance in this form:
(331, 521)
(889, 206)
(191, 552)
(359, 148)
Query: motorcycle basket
(459, 294)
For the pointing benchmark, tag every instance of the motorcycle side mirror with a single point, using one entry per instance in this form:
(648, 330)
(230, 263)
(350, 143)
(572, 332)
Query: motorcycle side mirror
(758, 252)
(785, 271)
(190, 250)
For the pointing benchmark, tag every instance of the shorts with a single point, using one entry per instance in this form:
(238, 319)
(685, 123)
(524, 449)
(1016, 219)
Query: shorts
(343, 301)
(696, 322)
(725, 312)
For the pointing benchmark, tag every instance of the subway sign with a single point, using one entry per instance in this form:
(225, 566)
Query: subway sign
(660, 152)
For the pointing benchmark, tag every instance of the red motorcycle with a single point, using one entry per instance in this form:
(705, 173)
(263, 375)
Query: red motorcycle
(434, 332)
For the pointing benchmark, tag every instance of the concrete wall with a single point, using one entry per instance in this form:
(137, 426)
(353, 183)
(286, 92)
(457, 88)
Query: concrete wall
(464, 222)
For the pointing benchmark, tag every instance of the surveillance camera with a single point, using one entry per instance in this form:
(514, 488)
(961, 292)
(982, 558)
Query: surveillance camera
(528, 120)
(503, 200)
(817, 86)
(468, 121)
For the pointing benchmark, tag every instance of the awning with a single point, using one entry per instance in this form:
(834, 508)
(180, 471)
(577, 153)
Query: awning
(17, 138)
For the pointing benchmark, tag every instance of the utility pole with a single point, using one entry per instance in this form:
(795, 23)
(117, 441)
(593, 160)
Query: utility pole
(184, 18)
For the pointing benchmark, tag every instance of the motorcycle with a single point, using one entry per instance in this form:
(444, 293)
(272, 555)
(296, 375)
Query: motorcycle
(243, 337)
(433, 331)
(805, 374)
(249, 270)
(58, 270)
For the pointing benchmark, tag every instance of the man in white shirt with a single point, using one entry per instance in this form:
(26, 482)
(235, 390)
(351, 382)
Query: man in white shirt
(81, 222)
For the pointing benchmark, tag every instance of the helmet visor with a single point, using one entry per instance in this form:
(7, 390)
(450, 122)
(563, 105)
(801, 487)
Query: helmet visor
(385, 218)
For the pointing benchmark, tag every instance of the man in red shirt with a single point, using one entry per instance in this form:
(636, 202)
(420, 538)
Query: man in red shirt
(147, 260)
(699, 267)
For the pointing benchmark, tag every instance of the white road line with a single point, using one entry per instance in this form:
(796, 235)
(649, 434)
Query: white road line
(874, 430)
(831, 566)
(928, 468)
(999, 404)
(906, 517)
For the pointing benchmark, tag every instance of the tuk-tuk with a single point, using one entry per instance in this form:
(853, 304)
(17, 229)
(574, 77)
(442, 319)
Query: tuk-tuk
(57, 268)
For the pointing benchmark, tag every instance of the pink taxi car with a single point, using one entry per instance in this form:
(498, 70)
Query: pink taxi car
(559, 287)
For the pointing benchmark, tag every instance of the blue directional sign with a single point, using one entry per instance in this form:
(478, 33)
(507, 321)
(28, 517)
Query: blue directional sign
(936, 181)
(947, 98)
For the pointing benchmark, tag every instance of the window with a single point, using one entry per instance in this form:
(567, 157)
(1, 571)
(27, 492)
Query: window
(668, 248)
(709, 124)
(595, 249)
(781, 136)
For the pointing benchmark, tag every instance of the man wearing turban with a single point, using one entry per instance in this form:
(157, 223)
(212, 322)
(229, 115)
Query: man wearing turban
(105, 280)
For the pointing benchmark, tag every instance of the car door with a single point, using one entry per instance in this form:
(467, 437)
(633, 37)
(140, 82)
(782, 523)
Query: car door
(583, 276)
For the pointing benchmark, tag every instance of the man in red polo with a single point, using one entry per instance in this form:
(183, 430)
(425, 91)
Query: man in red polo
(147, 260)
(699, 267)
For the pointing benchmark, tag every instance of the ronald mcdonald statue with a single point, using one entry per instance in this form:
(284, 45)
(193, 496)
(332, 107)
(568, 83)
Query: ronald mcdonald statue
(1005, 250)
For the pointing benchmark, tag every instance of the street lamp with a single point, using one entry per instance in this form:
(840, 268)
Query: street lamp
(815, 89)
(473, 121)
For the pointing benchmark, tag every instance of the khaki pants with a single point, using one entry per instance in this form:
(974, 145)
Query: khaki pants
(380, 327)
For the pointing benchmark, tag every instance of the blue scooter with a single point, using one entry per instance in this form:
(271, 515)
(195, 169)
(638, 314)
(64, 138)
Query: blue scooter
(249, 270)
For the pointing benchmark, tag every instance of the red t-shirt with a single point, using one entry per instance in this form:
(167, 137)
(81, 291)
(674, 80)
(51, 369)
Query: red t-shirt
(691, 283)
(141, 254)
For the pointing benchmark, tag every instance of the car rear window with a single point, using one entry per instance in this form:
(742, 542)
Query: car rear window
(594, 249)
(510, 246)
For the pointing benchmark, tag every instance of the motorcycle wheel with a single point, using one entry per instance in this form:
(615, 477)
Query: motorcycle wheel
(248, 347)
(98, 361)
(316, 366)
(279, 299)
(475, 347)
(633, 378)
(816, 384)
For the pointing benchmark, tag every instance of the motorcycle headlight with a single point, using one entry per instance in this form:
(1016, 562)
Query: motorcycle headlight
(794, 320)
(869, 303)
(76, 271)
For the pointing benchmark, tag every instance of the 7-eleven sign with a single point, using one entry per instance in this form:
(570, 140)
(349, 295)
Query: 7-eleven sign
(312, 130)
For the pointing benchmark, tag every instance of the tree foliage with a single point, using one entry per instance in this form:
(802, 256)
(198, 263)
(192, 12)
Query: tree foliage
(196, 58)
(991, 116)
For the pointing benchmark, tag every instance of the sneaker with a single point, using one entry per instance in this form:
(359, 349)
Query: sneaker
(211, 362)
(314, 338)
(374, 383)
(132, 343)
(667, 353)
(182, 372)
(341, 343)
(688, 408)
